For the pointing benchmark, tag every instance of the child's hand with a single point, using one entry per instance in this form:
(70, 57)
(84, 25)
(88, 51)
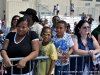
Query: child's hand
(59, 55)
(67, 55)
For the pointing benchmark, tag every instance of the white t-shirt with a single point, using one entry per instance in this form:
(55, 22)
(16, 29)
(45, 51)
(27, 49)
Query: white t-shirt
(58, 8)
(37, 28)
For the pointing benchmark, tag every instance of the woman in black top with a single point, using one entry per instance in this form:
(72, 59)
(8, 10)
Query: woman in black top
(23, 43)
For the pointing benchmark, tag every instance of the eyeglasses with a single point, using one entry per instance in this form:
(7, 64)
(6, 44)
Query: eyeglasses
(46, 34)
(85, 27)
(16, 19)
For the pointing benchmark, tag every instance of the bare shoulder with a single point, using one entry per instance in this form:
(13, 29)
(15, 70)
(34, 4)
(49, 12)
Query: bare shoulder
(93, 37)
(99, 35)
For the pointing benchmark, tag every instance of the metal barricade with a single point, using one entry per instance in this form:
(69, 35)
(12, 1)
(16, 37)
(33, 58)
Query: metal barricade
(31, 72)
(86, 65)
(71, 72)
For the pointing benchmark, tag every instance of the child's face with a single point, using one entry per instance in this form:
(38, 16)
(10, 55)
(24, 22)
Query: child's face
(60, 29)
(46, 35)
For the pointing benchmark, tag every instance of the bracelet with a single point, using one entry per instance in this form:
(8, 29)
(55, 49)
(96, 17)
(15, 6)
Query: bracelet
(2, 49)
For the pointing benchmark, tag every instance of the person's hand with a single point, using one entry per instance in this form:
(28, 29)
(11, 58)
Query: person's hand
(59, 55)
(94, 57)
(67, 55)
(21, 64)
(91, 53)
(7, 62)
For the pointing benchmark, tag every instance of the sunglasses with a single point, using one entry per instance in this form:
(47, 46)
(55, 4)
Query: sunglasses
(85, 27)
(46, 34)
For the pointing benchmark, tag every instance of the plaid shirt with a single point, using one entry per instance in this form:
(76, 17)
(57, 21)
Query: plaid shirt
(69, 43)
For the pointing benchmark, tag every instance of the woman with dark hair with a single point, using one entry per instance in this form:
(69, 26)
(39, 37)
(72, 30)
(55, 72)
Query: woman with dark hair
(68, 29)
(14, 20)
(23, 43)
(84, 44)
(13, 23)
(13, 28)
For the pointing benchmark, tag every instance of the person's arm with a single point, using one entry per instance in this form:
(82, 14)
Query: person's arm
(67, 55)
(32, 55)
(99, 39)
(53, 57)
(35, 51)
(52, 64)
(76, 50)
(7, 62)
(59, 55)
(96, 45)
(70, 50)
(4, 48)
(39, 29)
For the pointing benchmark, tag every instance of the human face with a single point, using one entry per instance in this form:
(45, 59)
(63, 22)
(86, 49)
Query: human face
(46, 35)
(15, 21)
(29, 16)
(85, 29)
(22, 28)
(60, 29)
(55, 20)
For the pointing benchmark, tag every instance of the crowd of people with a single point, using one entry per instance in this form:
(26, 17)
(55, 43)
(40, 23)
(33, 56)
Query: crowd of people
(29, 38)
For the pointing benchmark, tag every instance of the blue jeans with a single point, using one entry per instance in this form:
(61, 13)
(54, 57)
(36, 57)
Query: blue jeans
(64, 70)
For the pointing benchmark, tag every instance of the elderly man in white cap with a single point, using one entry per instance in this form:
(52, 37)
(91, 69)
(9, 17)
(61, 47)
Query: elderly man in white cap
(34, 25)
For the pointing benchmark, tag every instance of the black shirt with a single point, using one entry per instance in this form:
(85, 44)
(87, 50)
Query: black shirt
(21, 49)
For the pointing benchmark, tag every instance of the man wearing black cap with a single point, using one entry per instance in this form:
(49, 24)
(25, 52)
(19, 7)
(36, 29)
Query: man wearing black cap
(34, 25)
